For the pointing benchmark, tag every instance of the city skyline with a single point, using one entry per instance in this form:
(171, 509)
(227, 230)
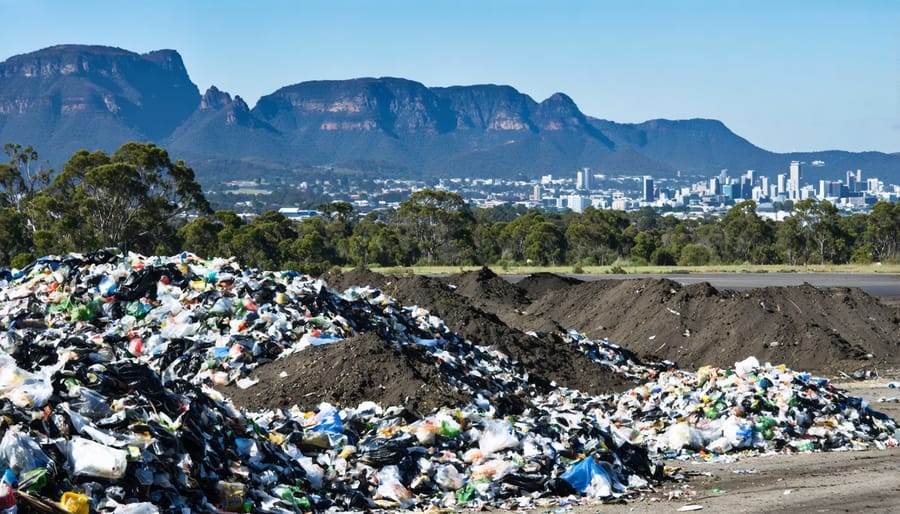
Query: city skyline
(805, 76)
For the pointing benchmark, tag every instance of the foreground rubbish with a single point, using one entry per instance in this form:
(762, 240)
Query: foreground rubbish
(109, 363)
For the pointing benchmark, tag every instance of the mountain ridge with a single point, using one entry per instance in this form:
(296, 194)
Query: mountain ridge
(67, 97)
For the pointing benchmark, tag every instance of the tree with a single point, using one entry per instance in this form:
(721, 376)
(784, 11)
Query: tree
(819, 227)
(133, 197)
(439, 224)
(645, 243)
(595, 235)
(14, 235)
(710, 235)
(264, 242)
(342, 211)
(545, 244)
(747, 237)
(19, 179)
(201, 236)
(694, 255)
(513, 234)
(791, 242)
(883, 231)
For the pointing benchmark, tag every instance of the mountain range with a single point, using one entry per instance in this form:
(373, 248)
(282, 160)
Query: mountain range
(68, 97)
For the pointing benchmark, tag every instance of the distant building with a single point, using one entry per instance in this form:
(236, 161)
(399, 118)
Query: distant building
(578, 202)
(794, 181)
(295, 214)
(584, 180)
(648, 189)
(853, 180)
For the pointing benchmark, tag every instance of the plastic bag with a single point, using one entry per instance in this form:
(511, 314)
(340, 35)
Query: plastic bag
(328, 420)
(390, 486)
(682, 435)
(314, 473)
(90, 403)
(34, 392)
(88, 458)
(496, 436)
(494, 469)
(746, 366)
(739, 432)
(592, 477)
(448, 478)
(137, 508)
(21, 453)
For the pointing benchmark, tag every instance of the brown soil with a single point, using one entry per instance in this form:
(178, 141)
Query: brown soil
(803, 327)
(822, 331)
(537, 285)
(347, 373)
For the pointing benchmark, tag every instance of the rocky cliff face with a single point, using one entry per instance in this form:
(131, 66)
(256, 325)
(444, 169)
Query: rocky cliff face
(91, 95)
(68, 97)
(389, 106)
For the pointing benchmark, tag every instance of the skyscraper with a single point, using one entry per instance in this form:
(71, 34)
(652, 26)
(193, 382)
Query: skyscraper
(794, 181)
(851, 181)
(583, 180)
(648, 189)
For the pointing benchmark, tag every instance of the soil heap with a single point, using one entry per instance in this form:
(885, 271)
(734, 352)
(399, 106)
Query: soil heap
(825, 331)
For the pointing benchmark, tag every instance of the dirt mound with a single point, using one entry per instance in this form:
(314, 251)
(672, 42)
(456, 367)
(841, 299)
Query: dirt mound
(537, 285)
(824, 331)
(355, 277)
(488, 291)
(545, 358)
(345, 373)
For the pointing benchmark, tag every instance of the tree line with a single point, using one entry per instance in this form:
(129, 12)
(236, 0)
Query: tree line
(138, 199)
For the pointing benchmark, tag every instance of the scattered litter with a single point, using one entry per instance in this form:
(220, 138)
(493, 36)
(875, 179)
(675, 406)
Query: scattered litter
(112, 366)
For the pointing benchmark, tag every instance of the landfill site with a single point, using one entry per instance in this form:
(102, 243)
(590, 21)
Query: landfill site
(175, 384)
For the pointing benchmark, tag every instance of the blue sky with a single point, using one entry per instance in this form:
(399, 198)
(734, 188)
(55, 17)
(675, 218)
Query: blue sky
(787, 75)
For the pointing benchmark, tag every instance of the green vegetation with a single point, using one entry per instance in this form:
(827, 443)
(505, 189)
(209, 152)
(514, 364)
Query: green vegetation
(138, 199)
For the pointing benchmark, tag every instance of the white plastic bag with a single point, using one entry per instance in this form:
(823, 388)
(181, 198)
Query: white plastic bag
(390, 486)
(91, 459)
(496, 436)
(448, 478)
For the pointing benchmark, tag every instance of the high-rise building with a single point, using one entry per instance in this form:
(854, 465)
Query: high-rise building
(781, 186)
(723, 176)
(648, 189)
(850, 180)
(794, 181)
(752, 176)
(536, 193)
(583, 180)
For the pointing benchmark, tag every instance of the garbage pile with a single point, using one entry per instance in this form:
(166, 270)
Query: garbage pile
(110, 363)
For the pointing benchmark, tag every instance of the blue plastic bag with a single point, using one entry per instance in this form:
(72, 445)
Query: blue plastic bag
(589, 476)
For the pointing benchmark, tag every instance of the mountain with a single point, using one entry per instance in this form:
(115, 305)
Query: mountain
(68, 97)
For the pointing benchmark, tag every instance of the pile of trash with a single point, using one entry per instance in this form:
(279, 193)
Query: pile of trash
(111, 375)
